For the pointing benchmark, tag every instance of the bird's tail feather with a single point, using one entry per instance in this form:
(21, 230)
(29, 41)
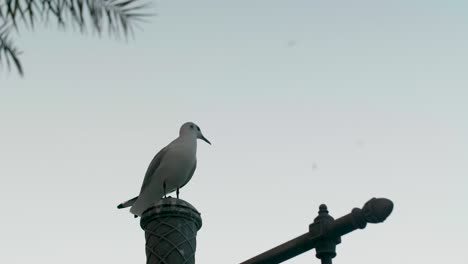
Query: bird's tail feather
(147, 198)
(127, 203)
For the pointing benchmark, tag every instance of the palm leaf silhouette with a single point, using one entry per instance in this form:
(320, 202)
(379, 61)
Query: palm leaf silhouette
(119, 17)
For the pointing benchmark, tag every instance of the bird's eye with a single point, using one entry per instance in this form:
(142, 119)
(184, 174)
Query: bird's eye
(198, 128)
(191, 126)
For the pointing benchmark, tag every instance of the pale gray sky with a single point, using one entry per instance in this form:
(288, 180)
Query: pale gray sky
(305, 102)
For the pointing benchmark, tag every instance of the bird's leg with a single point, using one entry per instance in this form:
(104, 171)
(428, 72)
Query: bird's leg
(177, 192)
(164, 187)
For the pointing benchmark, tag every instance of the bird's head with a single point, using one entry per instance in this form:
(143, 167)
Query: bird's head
(192, 129)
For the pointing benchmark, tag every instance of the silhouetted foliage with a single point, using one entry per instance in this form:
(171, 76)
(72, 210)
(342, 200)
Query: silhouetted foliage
(117, 17)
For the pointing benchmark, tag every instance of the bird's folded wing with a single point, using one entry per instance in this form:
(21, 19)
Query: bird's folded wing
(190, 174)
(153, 167)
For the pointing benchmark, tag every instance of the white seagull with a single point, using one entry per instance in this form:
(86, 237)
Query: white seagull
(171, 169)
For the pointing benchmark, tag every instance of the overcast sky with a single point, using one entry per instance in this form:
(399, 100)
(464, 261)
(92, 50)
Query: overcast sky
(305, 102)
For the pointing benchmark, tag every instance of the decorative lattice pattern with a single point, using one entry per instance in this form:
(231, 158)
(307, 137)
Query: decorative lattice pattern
(170, 231)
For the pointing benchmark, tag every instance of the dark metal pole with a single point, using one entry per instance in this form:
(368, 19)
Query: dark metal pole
(325, 233)
(326, 246)
(171, 227)
(285, 251)
(327, 260)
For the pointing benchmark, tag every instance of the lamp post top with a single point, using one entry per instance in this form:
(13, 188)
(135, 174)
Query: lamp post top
(171, 207)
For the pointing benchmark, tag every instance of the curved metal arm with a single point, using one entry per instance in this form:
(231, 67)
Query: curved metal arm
(376, 210)
(324, 234)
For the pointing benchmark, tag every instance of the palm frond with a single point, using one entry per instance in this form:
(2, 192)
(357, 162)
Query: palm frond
(9, 53)
(119, 17)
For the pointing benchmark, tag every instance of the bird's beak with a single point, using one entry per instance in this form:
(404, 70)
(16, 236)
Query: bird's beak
(204, 139)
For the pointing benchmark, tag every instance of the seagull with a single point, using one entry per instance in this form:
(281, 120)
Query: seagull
(171, 169)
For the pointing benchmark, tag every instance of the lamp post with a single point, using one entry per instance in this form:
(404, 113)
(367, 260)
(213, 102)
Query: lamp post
(325, 233)
(171, 227)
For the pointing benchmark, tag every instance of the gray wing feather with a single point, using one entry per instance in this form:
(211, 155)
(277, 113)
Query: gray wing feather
(190, 174)
(153, 166)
